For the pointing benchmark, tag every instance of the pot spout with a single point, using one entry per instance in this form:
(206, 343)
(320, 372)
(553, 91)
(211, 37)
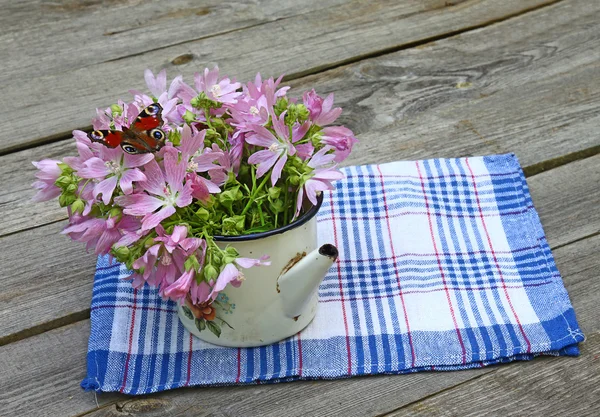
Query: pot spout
(299, 283)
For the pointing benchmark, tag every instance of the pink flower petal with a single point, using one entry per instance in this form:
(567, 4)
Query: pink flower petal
(174, 171)
(150, 221)
(276, 174)
(155, 180)
(134, 161)
(127, 179)
(106, 188)
(93, 168)
(139, 204)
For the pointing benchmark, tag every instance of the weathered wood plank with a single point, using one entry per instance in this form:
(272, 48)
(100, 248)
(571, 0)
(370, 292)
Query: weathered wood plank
(42, 383)
(299, 45)
(542, 387)
(46, 282)
(407, 105)
(545, 387)
(45, 37)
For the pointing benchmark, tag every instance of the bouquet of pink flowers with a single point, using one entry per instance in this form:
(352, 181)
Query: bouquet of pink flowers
(161, 176)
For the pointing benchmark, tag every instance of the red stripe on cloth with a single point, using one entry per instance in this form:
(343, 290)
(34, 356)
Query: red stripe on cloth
(496, 259)
(239, 365)
(339, 272)
(299, 355)
(389, 227)
(439, 261)
(189, 367)
(131, 329)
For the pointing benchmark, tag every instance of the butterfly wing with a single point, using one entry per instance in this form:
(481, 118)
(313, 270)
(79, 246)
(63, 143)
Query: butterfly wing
(145, 134)
(109, 138)
(149, 118)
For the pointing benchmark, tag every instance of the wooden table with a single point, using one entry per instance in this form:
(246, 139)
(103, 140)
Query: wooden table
(417, 79)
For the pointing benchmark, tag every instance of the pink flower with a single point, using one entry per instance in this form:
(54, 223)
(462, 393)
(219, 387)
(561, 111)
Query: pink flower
(192, 146)
(229, 275)
(166, 98)
(180, 288)
(278, 146)
(177, 238)
(320, 179)
(250, 262)
(48, 173)
(341, 138)
(321, 112)
(256, 103)
(114, 166)
(84, 150)
(105, 119)
(199, 293)
(223, 91)
(166, 191)
(229, 161)
(99, 233)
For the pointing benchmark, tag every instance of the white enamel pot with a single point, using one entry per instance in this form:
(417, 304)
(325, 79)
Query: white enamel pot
(274, 302)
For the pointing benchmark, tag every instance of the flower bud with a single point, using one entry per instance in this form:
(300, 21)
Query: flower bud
(65, 169)
(276, 206)
(71, 188)
(294, 179)
(175, 136)
(281, 105)
(231, 251)
(121, 253)
(303, 113)
(189, 117)
(78, 206)
(66, 199)
(274, 193)
(63, 181)
(191, 263)
(203, 214)
(116, 213)
(210, 273)
(116, 109)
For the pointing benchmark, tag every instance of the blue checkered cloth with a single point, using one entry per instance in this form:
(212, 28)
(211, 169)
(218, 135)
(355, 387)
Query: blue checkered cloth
(443, 266)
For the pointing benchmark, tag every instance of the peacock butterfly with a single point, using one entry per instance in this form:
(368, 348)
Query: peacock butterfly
(143, 136)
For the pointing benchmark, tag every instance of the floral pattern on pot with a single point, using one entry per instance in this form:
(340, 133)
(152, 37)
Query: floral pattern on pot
(208, 315)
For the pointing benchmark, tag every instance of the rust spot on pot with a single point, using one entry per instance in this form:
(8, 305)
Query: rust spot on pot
(289, 265)
(296, 318)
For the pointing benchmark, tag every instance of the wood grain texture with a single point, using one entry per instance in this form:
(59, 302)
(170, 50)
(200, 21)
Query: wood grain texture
(407, 105)
(43, 383)
(296, 46)
(44, 37)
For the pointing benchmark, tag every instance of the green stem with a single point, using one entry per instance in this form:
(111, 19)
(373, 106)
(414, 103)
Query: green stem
(84, 185)
(254, 192)
(285, 206)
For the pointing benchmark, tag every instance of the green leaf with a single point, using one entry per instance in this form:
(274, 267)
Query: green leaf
(200, 324)
(187, 312)
(214, 327)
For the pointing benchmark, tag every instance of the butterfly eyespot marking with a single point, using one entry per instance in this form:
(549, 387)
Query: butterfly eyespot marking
(152, 109)
(129, 149)
(97, 135)
(157, 134)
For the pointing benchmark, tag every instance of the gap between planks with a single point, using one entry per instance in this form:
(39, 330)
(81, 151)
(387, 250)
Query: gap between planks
(312, 71)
